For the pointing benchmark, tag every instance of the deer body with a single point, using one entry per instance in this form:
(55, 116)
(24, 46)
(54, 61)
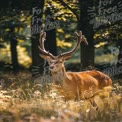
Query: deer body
(75, 82)
(78, 82)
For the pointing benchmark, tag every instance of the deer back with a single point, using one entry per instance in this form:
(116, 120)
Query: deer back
(79, 82)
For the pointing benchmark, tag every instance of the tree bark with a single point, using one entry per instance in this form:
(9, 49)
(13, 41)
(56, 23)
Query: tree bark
(14, 56)
(120, 53)
(50, 43)
(87, 52)
(37, 62)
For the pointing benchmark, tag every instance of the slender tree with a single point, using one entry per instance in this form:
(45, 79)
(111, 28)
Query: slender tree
(13, 48)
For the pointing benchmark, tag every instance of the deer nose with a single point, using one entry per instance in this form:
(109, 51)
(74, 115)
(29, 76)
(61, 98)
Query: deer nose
(51, 67)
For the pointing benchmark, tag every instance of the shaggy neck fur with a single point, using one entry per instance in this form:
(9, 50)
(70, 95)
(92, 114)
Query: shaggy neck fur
(59, 76)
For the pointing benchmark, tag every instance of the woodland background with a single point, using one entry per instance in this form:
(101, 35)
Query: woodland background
(19, 48)
(20, 65)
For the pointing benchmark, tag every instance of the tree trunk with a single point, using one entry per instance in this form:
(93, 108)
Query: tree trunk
(38, 64)
(14, 57)
(120, 53)
(87, 52)
(50, 43)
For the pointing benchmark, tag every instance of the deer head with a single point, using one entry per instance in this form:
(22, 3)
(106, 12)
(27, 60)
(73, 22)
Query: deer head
(57, 62)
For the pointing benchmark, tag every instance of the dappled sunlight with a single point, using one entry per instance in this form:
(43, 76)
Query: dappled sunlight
(23, 57)
(5, 54)
(106, 58)
(37, 37)
(25, 100)
(63, 44)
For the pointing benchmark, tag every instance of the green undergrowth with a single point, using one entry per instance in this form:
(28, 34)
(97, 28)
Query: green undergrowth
(24, 100)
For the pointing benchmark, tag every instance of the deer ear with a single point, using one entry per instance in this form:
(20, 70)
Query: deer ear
(45, 57)
(67, 57)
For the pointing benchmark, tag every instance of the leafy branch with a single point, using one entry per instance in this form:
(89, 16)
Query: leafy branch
(72, 10)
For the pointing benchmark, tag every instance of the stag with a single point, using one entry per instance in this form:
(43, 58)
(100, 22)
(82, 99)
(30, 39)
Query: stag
(78, 83)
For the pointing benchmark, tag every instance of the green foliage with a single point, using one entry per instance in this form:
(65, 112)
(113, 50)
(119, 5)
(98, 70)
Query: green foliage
(15, 23)
(24, 58)
(66, 13)
(20, 20)
(108, 36)
(105, 40)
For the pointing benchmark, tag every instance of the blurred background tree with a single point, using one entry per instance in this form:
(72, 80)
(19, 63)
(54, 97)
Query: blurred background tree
(14, 25)
(39, 11)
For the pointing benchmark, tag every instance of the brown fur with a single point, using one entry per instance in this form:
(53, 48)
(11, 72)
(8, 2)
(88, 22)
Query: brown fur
(82, 84)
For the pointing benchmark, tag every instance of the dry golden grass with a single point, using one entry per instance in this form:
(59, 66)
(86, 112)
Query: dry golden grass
(23, 101)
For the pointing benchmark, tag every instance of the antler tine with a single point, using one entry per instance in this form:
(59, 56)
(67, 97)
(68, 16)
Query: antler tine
(41, 45)
(85, 40)
(80, 38)
(42, 39)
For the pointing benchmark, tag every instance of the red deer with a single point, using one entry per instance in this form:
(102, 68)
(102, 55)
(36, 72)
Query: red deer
(78, 83)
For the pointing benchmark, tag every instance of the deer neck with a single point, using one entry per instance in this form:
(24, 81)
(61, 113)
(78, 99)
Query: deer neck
(59, 76)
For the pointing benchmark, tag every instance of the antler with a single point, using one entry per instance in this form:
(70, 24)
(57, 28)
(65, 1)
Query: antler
(80, 38)
(41, 45)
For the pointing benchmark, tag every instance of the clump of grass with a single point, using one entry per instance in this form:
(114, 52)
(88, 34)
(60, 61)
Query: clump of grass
(23, 100)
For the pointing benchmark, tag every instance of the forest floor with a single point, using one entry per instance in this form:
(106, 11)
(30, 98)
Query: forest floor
(24, 99)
